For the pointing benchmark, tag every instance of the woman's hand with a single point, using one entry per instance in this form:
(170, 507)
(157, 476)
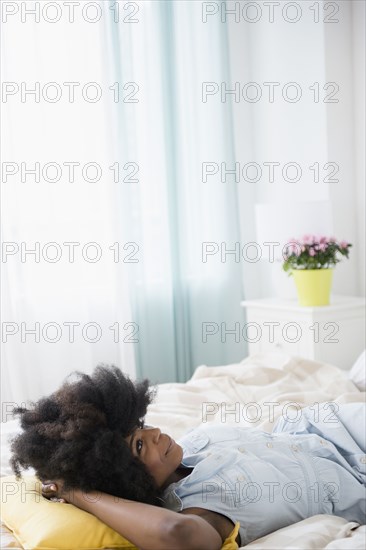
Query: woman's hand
(53, 490)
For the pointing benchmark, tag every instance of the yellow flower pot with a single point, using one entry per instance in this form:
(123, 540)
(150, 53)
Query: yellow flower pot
(313, 286)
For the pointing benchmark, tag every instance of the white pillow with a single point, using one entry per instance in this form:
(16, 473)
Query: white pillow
(8, 431)
(358, 372)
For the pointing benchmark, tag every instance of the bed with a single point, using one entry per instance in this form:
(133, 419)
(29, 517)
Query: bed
(240, 393)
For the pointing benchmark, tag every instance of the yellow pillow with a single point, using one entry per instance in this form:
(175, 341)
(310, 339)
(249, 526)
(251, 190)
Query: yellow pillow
(230, 543)
(43, 525)
(40, 524)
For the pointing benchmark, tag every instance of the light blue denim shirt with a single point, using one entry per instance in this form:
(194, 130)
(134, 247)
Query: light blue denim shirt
(268, 481)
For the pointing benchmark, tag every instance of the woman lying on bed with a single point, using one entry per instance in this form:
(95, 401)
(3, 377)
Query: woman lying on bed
(88, 444)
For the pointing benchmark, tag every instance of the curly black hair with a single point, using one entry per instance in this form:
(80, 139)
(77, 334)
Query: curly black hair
(77, 434)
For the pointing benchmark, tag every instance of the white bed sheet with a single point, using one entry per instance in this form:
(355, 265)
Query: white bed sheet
(213, 392)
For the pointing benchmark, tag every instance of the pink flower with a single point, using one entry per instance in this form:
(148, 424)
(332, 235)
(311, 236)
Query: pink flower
(323, 246)
(332, 240)
(322, 240)
(307, 239)
(343, 244)
(312, 252)
(295, 248)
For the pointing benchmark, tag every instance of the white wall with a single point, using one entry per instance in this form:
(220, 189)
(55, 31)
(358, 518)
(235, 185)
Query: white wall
(343, 54)
(305, 132)
(359, 117)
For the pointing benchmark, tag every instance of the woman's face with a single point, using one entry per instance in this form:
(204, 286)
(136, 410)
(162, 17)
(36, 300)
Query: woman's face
(159, 452)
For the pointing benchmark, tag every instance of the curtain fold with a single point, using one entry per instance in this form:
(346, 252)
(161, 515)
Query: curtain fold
(170, 212)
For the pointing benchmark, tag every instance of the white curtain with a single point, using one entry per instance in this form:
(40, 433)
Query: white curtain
(53, 290)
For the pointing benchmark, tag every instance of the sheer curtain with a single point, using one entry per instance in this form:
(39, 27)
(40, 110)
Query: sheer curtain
(171, 213)
(149, 214)
(47, 292)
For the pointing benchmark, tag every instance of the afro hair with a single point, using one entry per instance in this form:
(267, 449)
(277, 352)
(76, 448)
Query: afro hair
(78, 433)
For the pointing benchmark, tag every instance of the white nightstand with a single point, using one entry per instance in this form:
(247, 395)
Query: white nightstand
(334, 334)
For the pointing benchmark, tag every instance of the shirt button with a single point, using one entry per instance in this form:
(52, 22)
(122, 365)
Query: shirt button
(269, 445)
(241, 449)
(363, 459)
(240, 478)
(294, 448)
(323, 442)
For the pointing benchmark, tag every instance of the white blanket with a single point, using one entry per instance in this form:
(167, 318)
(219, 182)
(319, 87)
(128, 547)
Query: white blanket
(271, 382)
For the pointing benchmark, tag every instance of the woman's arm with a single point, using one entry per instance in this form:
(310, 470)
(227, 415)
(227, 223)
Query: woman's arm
(148, 527)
